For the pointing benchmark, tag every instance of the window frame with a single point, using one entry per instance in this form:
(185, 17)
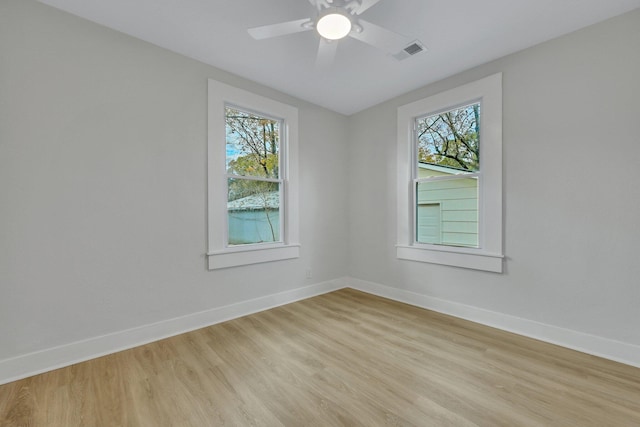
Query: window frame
(488, 256)
(220, 254)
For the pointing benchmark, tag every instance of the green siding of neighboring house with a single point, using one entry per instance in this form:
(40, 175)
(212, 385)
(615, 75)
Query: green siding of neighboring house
(447, 211)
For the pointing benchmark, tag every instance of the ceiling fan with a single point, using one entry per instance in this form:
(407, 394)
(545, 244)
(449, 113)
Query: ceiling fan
(336, 19)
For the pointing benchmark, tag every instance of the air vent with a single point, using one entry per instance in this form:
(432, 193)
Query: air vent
(412, 49)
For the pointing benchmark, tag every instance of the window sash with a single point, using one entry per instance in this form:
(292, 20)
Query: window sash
(438, 112)
(282, 137)
(416, 203)
(282, 229)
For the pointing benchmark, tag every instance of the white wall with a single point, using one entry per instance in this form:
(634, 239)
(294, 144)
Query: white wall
(102, 185)
(571, 107)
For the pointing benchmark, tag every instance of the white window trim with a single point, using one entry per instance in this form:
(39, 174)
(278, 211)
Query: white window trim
(489, 255)
(221, 255)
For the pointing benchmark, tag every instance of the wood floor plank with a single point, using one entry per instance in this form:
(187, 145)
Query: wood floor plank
(341, 359)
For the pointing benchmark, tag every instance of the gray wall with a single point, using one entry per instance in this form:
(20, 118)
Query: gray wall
(571, 174)
(103, 173)
(103, 185)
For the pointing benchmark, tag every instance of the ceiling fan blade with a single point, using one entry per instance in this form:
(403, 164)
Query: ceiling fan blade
(381, 38)
(326, 53)
(364, 5)
(281, 29)
(321, 4)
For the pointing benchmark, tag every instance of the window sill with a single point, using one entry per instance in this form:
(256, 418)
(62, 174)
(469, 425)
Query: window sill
(251, 255)
(476, 260)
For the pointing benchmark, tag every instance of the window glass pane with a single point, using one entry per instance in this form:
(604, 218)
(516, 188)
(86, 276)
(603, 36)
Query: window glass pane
(253, 209)
(447, 212)
(449, 140)
(253, 144)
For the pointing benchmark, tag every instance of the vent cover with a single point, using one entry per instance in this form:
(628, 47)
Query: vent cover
(411, 49)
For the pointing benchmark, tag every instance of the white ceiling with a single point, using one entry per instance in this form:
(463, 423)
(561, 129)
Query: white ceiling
(458, 34)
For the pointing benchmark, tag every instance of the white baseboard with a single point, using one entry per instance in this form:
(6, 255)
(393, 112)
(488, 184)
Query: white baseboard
(57, 357)
(626, 353)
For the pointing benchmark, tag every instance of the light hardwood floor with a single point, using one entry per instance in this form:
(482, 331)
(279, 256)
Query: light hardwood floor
(341, 359)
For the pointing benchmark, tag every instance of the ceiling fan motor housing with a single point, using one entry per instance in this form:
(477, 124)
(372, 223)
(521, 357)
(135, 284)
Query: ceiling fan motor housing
(334, 23)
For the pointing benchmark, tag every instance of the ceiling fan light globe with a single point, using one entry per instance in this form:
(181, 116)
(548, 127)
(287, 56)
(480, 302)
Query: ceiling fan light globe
(333, 26)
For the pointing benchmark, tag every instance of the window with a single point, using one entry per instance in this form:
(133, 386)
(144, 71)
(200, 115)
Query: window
(450, 177)
(253, 177)
(253, 204)
(447, 172)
